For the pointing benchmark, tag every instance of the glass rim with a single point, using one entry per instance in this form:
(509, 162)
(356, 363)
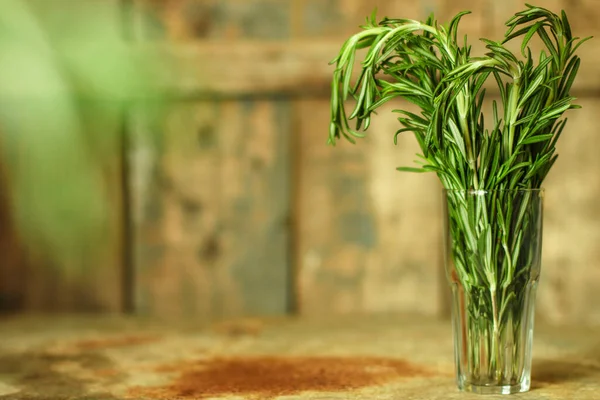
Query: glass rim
(486, 191)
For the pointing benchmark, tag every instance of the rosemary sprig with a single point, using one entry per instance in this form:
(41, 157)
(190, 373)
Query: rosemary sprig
(425, 64)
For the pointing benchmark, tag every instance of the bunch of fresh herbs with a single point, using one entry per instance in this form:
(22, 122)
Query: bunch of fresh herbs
(426, 64)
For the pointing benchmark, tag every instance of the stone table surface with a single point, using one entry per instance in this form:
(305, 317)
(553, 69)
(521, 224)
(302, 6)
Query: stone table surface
(357, 357)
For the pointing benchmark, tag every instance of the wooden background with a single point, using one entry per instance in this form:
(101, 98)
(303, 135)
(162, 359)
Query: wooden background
(227, 202)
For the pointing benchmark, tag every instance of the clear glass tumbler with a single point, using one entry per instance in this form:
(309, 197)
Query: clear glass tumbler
(493, 253)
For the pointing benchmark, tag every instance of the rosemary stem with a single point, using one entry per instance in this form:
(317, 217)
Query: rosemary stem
(494, 364)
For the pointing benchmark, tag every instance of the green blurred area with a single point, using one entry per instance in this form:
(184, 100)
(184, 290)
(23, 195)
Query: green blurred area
(67, 76)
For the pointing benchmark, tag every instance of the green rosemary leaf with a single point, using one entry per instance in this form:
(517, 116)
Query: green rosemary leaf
(511, 169)
(549, 45)
(526, 196)
(545, 168)
(501, 218)
(532, 31)
(516, 179)
(538, 165)
(458, 138)
(570, 74)
(558, 108)
(501, 52)
(507, 300)
(542, 67)
(529, 118)
(531, 88)
(495, 112)
(479, 82)
(557, 130)
(453, 26)
(399, 131)
(360, 106)
(511, 35)
(418, 100)
(537, 139)
(348, 75)
(488, 250)
(421, 121)
(566, 25)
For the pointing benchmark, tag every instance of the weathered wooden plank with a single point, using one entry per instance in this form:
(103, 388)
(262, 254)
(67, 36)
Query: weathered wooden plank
(253, 61)
(256, 199)
(210, 206)
(241, 68)
(341, 18)
(369, 237)
(270, 19)
(175, 200)
(247, 68)
(570, 282)
(181, 20)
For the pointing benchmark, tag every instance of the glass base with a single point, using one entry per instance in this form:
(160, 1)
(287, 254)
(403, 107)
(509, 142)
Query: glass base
(493, 272)
(495, 389)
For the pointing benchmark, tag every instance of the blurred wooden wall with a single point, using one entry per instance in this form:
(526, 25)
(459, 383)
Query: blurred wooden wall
(238, 207)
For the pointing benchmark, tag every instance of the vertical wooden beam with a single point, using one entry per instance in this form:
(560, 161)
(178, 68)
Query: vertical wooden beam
(256, 199)
(176, 203)
(211, 209)
(369, 235)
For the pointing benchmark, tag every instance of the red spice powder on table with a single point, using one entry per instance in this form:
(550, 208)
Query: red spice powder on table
(275, 376)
